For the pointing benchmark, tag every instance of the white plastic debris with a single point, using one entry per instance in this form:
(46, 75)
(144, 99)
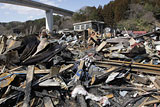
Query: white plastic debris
(103, 100)
(123, 93)
(79, 90)
(135, 94)
(158, 47)
(112, 76)
(92, 97)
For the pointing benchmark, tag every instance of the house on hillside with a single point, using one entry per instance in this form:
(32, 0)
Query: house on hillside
(95, 25)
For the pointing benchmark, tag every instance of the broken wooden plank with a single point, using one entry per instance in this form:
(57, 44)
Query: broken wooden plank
(132, 64)
(126, 62)
(156, 72)
(129, 88)
(66, 67)
(111, 69)
(6, 79)
(157, 81)
(151, 102)
(154, 81)
(101, 46)
(29, 78)
(15, 68)
(33, 101)
(105, 75)
(138, 67)
(46, 71)
(3, 69)
(13, 96)
(145, 100)
(7, 91)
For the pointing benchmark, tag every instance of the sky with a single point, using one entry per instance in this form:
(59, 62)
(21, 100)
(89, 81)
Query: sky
(10, 12)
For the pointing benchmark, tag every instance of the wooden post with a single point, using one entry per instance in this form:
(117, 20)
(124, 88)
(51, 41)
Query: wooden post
(29, 78)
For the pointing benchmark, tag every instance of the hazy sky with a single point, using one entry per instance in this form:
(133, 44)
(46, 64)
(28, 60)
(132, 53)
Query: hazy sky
(10, 12)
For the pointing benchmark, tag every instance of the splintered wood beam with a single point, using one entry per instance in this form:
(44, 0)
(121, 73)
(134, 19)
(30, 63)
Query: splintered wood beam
(101, 46)
(129, 89)
(66, 67)
(137, 67)
(46, 71)
(156, 72)
(29, 78)
(126, 62)
(145, 100)
(151, 102)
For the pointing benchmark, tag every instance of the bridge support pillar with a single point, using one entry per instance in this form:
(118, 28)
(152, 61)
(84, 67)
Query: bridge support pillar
(49, 20)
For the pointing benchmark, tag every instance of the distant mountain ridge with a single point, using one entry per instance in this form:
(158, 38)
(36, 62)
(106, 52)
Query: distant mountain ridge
(34, 26)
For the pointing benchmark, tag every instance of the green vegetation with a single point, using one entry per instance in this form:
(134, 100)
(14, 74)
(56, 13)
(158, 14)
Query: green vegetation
(132, 14)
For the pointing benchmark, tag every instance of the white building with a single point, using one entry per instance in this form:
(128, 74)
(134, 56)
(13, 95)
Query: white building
(95, 25)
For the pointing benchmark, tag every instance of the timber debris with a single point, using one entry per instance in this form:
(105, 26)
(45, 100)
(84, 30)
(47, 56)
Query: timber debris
(80, 70)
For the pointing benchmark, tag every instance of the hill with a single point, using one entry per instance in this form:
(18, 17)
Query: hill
(33, 26)
(132, 14)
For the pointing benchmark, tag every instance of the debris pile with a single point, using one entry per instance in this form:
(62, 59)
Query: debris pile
(88, 70)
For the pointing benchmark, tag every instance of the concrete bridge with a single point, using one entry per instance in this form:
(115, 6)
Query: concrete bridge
(47, 8)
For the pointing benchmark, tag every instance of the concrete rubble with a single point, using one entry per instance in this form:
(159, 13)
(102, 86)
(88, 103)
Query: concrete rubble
(80, 70)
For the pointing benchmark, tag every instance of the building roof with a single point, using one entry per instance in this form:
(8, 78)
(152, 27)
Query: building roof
(139, 32)
(90, 21)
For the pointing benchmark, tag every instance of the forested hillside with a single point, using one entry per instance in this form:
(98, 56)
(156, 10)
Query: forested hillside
(132, 14)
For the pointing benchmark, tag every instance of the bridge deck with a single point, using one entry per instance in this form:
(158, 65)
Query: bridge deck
(38, 5)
